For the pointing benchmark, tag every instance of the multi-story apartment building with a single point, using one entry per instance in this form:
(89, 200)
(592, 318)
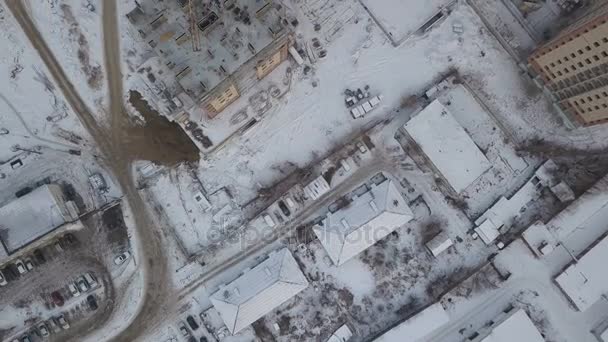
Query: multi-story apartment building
(574, 67)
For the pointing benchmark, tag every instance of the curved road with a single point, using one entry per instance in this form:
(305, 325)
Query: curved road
(110, 141)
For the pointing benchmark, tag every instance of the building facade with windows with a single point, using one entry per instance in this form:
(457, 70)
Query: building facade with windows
(574, 67)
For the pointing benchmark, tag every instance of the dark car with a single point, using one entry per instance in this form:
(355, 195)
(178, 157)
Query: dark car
(39, 256)
(69, 239)
(203, 339)
(192, 322)
(284, 208)
(57, 298)
(92, 302)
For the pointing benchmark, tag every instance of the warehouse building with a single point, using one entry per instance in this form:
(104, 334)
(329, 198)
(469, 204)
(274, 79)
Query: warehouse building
(259, 290)
(447, 146)
(32, 216)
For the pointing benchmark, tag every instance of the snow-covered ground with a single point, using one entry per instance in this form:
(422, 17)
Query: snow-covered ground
(73, 31)
(311, 121)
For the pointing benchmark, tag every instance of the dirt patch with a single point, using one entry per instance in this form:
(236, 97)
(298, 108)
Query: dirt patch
(91, 70)
(114, 223)
(262, 331)
(158, 140)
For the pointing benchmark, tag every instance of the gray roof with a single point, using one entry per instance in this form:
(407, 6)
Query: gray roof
(29, 217)
(368, 219)
(259, 290)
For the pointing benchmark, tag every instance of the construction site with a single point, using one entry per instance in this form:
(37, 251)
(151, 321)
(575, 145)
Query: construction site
(207, 54)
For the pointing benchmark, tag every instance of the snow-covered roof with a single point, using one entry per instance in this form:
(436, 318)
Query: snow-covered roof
(439, 243)
(343, 334)
(487, 231)
(31, 216)
(418, 327)
(516, 327)
(368, 219)
(589, 210)
(259, 290)
(585, 281)
(448, 146)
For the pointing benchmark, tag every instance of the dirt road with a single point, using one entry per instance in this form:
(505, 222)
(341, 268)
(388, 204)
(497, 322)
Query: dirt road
(110, 141)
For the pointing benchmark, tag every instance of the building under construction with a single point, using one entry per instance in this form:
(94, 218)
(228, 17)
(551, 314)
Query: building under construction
(213, 50)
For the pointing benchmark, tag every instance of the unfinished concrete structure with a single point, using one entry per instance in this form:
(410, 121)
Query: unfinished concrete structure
(574, 67)
(208, 53)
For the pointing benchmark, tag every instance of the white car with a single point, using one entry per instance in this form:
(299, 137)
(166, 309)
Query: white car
(21, 267)
(63, 322)
(90, 279)
(44, 331)
(73, 290)
(2, 279)
(29, 265)
(121, 258)
(82, 285)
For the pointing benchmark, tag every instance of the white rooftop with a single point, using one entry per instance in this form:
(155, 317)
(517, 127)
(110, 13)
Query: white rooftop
(29, 217)
(586, 281)
(517, 327)
(418, 327)
(259, 290)
(368, 219)
(588, 212)
(448, 146)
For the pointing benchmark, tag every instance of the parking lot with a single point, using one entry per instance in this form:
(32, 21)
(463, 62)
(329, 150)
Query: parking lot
(64, 282)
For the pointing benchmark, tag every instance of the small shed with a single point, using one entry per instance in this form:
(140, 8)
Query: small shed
(439, 244)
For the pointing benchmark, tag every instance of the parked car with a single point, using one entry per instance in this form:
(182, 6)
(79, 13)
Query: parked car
(54, 326)
(183, 330)
(42, 328)
(121, 258)
(90, 279)
(73, 290)
(192, 322)
(20, 267)
(58, 246)
(39, 256)
(82, 284)
(92, 302)
(69, 238)
(29, 265)
(63, 323)
(57, 298)
(26, 338)
(284, 208)
(2, 279)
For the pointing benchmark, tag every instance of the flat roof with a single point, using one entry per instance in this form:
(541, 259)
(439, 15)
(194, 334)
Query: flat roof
(259, 290)
(586, 281)
(448, 146)
(417, 327)
(31, 216)
(517, 327)
(369, 218)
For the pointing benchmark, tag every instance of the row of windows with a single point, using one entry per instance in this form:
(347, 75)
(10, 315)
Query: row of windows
(590, 98)
(566, 70)
(594, 108)
(566, 59)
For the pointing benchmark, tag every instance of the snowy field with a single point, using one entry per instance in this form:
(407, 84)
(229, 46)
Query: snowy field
(73, 31)
(391, 15)
(46, 121)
